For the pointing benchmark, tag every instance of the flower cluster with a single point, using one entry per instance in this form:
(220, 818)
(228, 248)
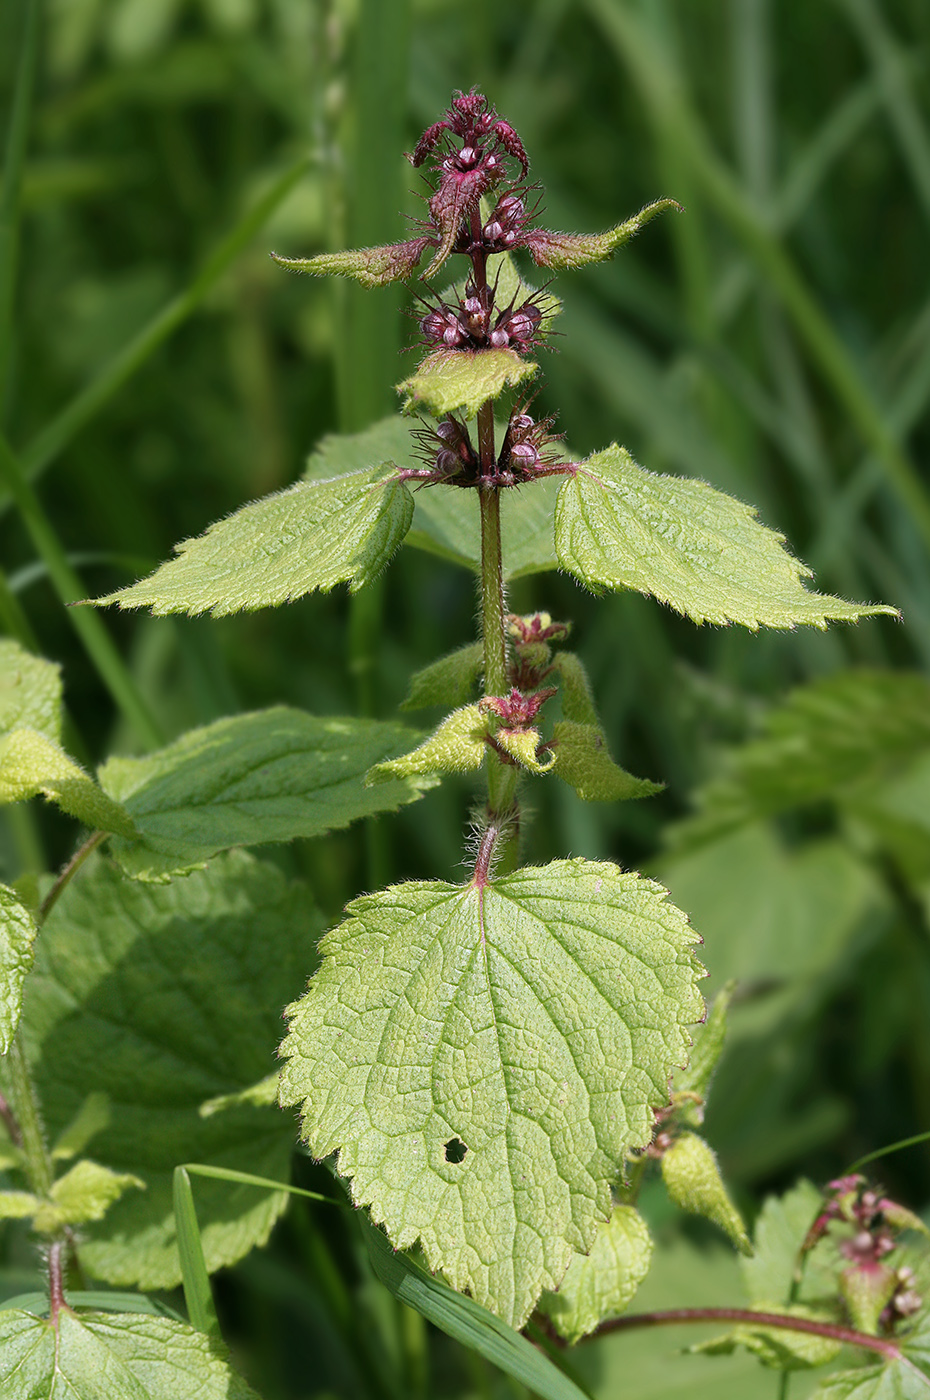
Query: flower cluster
(449, 456)
(876, 1294)
(480, 206)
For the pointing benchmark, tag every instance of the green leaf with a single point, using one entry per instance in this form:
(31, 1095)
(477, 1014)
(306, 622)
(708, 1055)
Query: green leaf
(18, 1205)
(30, 692)
(780, 1230)
(447, 523)
(17, 935)
(84, 1193)
(692, 1179)
(601, 1284)
(91, 1118)
(830, 739)
(522, 745)
(268, 776)
(708, 1046)
(112, 1356)
(264, 1092)
(905, 1379)
(583, 761)
(463, 1319)
(452, 381)
(483, 1057)
(776, 1347)
(164, 996)
(575, 689)
(457, 746)
(448, 681)
(700, 551)
(445, 520)
(31, 764)
(570, 250)
(311, 536)
(373, 267)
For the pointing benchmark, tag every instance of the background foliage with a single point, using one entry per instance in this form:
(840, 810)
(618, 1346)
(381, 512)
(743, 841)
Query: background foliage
(775, 341)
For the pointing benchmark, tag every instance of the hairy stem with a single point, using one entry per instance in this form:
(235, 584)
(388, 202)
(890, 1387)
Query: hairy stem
(25, 1111)
(671, 1316)
(56, 1281)
(69, 871)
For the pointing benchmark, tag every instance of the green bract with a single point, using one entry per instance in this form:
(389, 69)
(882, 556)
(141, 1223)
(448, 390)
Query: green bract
(528, 1026)
(703, 553)
(311, 536)
(447, 382)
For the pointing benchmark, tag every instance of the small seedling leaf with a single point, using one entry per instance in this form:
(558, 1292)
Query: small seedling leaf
(448, 681)
(83, 1194)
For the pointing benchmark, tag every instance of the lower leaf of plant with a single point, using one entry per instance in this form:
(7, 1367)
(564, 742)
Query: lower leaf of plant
(481, 1057)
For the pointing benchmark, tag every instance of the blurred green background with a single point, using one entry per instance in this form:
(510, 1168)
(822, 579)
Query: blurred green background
(773, 340)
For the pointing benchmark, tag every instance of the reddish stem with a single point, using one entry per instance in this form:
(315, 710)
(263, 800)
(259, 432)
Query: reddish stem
(56, 1283)
(668, 1317)
(9, 1118)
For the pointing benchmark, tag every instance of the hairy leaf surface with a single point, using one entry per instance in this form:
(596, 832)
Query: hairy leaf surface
(481, 1058)
(449, 681)
(583, 760)
(267, 776)
(602, 1284)
(84, 1193)
(452, 381)
(700, 551)
(31, 764)
(112, 1356)
(163, 997)
(457, 746)
(17, 933)
(30, 691)
(311, 536)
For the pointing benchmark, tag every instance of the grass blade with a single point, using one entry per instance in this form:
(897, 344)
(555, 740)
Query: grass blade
(197, 1292)
(14, 158)
(51, 441)
(468, 1323)
(97, 641)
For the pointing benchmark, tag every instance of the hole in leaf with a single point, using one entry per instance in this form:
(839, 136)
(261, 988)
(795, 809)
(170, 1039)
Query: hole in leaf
(455, 1150)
